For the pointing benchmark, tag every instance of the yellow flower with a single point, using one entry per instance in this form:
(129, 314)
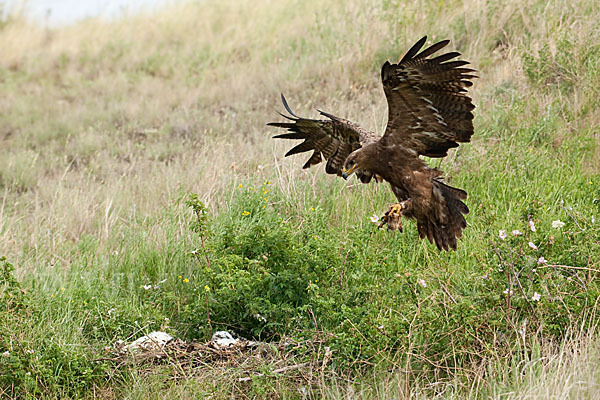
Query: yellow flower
(186, 280)
(240, 186)
(206, 288)
(245, 213)
(268, 183)
(179, 277)
(62, 288)
(52, 295)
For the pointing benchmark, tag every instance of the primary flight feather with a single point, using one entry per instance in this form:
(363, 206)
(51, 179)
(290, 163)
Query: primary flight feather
(429, 112)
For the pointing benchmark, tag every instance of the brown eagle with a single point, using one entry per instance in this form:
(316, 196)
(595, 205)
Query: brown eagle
(429, 112)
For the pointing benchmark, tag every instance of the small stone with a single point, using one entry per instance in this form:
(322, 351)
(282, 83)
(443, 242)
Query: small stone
(153, 341)
(223, 339)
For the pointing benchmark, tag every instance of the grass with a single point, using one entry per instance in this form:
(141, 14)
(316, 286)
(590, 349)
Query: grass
(114, 142)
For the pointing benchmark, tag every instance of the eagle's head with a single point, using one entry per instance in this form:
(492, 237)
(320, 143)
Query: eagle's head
(359, 160)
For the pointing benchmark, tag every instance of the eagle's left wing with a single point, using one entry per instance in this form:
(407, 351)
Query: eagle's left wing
(428, 108)
(333, 139)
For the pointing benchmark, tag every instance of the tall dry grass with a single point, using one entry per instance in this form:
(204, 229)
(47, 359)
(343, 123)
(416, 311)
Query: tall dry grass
(103, 118)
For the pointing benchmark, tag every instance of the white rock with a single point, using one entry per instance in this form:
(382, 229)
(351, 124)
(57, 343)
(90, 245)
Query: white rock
(223, 339)
(153, 341)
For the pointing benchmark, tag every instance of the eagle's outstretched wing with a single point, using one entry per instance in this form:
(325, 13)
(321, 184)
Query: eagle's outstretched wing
(333, 139)
(428, 108)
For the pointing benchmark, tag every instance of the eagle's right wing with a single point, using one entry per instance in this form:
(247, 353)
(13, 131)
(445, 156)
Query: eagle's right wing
(429, 108)
(332, 139)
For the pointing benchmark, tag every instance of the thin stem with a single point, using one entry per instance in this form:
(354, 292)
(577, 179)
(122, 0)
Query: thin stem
(208, 314)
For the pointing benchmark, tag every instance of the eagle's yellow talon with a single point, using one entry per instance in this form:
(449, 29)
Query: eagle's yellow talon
(393, 217)
(396, 209)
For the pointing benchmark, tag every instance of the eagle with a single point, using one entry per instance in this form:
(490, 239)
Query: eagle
(429, 112)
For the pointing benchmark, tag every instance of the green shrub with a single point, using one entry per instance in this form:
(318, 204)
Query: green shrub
(265, 275)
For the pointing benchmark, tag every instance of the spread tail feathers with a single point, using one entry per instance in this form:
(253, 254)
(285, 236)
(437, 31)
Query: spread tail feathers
(445, 225)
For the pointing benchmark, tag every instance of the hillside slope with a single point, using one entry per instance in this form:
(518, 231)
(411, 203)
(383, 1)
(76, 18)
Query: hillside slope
(113, 134)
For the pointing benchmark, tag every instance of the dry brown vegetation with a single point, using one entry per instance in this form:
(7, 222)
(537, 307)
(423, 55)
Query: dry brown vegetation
(106, 116)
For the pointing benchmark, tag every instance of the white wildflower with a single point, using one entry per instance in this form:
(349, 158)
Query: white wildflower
(374, 218)
(507, 291)
(531, 226)
(422, 282)
(593, 219)
(6, 353)
(260, 317)
(532, 245)
(147, 287)
(557, 224)
(517, 232)
(536, 296)
(541, 260)
(502, 234)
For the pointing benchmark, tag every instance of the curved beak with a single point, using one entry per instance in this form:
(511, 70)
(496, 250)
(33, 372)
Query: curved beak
(347, 172)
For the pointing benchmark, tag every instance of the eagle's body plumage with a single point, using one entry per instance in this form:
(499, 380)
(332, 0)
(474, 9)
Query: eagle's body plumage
(429, 113)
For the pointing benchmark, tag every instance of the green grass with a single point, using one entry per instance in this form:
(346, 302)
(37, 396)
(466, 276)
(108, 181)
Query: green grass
(117, 143)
